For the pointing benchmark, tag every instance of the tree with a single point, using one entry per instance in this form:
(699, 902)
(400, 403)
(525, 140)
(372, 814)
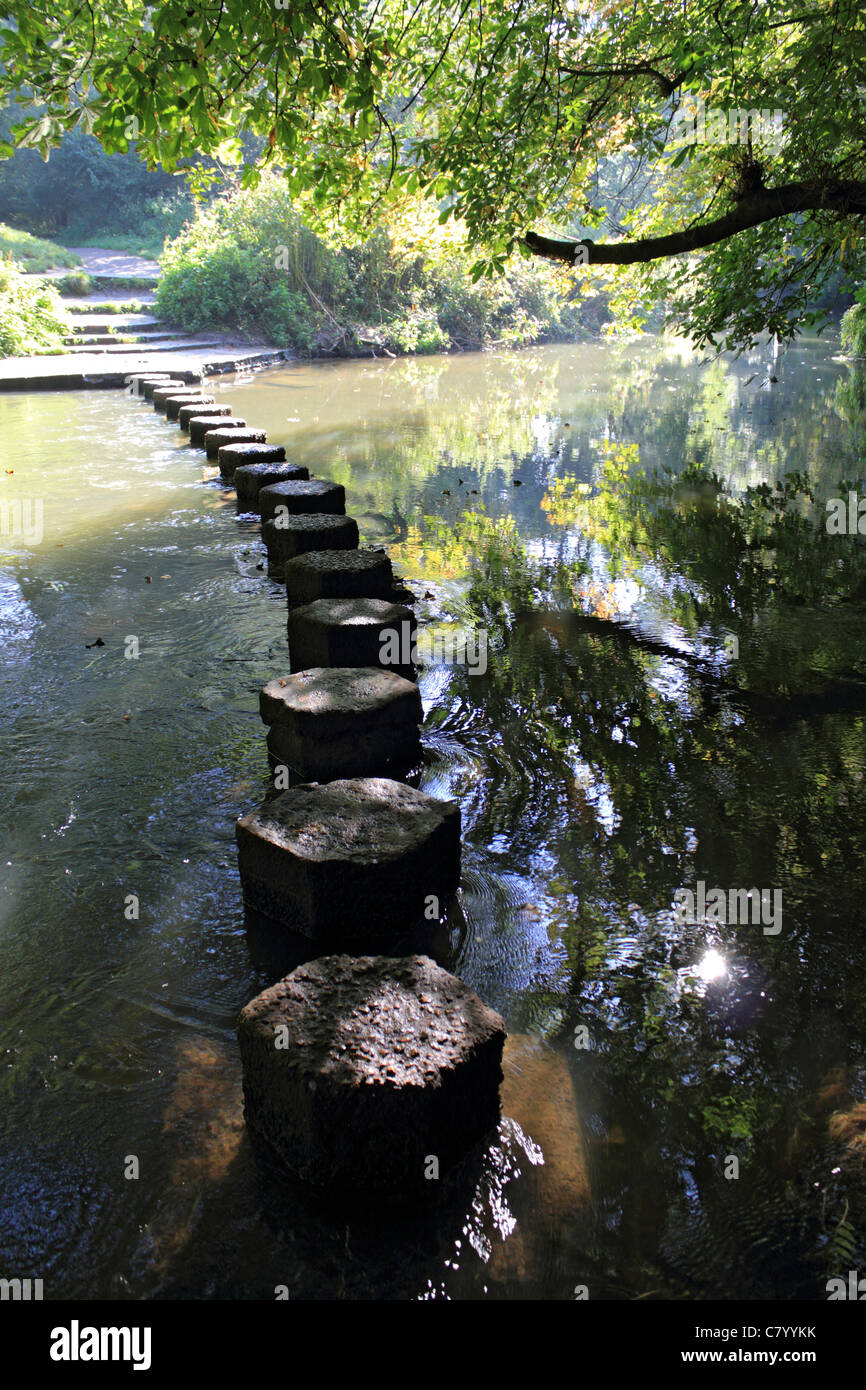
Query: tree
(509, 113)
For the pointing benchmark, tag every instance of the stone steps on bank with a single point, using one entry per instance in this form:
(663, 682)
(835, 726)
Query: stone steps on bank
(112, 348)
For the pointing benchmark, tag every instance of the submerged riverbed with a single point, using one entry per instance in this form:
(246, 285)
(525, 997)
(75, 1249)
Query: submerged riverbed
(715, 735)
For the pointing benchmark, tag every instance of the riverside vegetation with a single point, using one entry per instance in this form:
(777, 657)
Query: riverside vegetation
(246, 262)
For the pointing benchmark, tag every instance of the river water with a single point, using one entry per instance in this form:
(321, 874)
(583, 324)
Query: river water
(670, 1085)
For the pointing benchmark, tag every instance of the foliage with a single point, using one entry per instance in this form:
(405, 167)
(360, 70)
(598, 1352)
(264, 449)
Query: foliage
(503, 116)
(86, 197)
(246, 261)
(693, 520)
(854, 329)
(502, 581)
(32, 318)
(79, 283)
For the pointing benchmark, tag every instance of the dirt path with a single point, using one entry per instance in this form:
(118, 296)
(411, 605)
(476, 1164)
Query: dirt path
(96, 260)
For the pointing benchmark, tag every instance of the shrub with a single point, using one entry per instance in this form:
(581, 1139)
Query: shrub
(246, 262)
(31, 315)
(854, 329)
(78, 283)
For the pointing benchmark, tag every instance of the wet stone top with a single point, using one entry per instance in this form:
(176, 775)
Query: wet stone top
(368, 1020)
(355, 820)
(332, 690)
(244, 448)
(309, 521)
(354, 612)
(323, 561)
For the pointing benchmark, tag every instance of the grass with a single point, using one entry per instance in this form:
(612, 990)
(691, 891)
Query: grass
(34, 253)
(114, 306)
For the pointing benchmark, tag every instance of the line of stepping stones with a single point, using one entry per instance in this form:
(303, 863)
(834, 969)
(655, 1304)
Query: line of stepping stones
(358, 1070)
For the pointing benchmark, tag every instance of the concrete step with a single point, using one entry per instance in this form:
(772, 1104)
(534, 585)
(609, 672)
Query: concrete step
(114, 348)
(117, 339)
(112, 323)
(74, 301)
(72, 372)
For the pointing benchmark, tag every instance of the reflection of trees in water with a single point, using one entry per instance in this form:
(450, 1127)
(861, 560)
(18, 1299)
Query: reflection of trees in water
(850, 402)
(636, 772)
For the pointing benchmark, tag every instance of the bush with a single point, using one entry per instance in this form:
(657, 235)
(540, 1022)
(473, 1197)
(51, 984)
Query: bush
(247, 263)
(854, 329)
(79, 283)
(31, 315)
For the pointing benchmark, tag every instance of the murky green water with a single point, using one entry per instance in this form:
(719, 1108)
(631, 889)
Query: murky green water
(716, 734)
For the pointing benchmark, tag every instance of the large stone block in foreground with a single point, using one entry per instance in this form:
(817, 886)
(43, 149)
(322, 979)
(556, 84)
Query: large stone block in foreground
(188, 412)
(285, 499)
(231, 434)
(174, 404)
(200, 423)
(338, 574)
(359, 857)
(342, 722)
(310, 531)
(353, 632)
(357, 1070)
(250, 478)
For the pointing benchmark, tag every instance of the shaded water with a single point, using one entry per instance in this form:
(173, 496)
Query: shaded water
(597, 773)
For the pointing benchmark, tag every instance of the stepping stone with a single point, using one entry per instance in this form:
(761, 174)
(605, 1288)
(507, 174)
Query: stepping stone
(250, 478)
(279, 501)
(137, 380)
(231, 457)
(359, 1070)
(338, 574)
(149, 386)
(233, 434)
(311, 531)
(353, 632)
(200, 424)
(162, 394)
(188, 412)
(174, 403)
(363, 856)
(342, 722)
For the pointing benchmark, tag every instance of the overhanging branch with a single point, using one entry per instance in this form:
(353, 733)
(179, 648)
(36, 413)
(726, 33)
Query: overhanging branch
(846, 197)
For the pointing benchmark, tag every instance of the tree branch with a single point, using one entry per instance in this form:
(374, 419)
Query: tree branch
(764, 205)
(667, 85)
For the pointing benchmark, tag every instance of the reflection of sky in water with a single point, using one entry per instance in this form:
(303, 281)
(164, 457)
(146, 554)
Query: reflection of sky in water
(596, 789)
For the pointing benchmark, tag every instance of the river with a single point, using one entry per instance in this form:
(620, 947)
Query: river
(715, 735)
